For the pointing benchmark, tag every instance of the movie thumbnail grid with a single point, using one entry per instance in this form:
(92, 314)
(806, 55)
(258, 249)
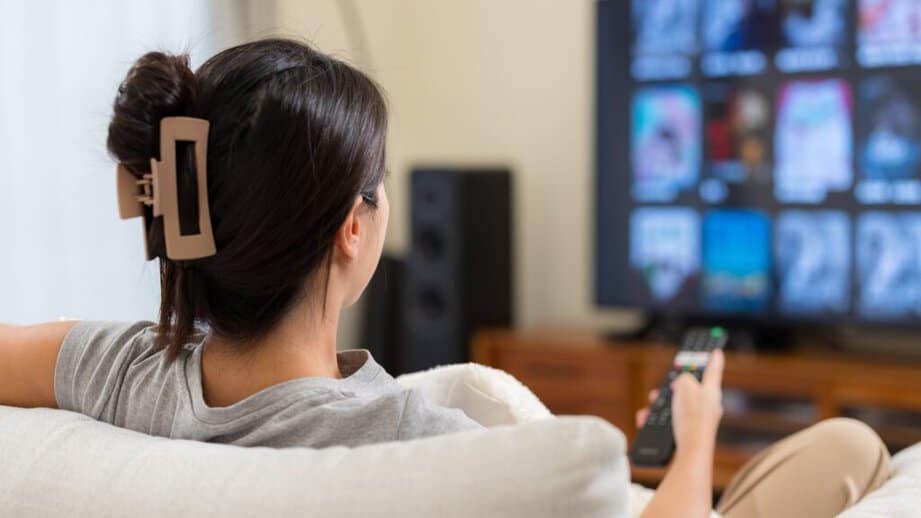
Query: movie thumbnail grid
(803, 140)
(742, 261)
(742, 37)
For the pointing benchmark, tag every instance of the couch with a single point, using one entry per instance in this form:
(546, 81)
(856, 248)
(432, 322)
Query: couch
(527, 463)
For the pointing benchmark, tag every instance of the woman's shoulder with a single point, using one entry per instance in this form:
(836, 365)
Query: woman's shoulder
(95, 336)
(93, 345)
(95, 359)
(125, 331)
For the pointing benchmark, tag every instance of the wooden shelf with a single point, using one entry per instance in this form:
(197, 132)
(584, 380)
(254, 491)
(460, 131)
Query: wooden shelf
(763, 421)
(899, 436)
(580, 372)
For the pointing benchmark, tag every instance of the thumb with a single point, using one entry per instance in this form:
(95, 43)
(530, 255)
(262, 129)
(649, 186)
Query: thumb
(713, 374)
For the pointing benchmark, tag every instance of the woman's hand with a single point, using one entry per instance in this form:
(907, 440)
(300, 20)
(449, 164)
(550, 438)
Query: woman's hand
(696, 407)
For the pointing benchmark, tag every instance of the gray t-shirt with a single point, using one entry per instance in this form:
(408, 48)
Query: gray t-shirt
(111, 371)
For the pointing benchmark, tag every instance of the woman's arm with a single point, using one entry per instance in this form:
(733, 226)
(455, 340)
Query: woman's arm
(27, 358)
(697, 408)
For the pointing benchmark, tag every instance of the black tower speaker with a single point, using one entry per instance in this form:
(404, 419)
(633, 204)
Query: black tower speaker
(458, 275)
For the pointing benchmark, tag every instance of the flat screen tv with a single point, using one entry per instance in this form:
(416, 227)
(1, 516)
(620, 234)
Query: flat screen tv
(760, 159)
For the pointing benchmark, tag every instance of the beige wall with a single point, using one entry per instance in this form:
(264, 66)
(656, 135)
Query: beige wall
(473, 81)
(485, 81)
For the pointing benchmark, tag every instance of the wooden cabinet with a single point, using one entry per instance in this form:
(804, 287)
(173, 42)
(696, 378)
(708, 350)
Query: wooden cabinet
(576, 383)
(766, 396)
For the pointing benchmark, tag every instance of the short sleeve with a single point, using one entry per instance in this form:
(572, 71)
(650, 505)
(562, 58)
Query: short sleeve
(422, 418)
(93, 362)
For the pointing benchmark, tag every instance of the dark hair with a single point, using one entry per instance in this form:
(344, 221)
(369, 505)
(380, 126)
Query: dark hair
(296, 137)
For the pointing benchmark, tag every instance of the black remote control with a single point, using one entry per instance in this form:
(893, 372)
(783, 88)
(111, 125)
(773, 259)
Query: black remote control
(654, 443)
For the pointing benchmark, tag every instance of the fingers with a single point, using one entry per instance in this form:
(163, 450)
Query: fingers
(683, 380)
(713, 374)
(641, 416)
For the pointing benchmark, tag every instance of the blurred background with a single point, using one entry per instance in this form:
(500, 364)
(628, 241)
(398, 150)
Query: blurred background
(454, 98)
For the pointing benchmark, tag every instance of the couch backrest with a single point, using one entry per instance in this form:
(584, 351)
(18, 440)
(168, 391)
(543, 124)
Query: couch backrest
(57, 463)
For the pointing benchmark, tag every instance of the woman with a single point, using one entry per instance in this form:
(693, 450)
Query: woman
(267, 226)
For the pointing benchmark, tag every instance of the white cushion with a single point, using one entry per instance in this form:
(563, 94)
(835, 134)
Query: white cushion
(907, 463)
(492, 397)
(489, 396)
(900, 497)
(57, 463)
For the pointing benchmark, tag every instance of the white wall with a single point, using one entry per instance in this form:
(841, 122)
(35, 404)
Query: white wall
(474, 81)
(63, 250)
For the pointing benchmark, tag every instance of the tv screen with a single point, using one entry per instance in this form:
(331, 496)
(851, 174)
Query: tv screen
(760, 158)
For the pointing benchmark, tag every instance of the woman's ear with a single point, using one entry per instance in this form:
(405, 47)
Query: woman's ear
(348, 237)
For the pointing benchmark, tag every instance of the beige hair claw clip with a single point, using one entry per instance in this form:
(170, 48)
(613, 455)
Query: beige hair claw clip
(158, 189)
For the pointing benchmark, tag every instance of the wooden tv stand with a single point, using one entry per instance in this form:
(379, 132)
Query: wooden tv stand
(766, 395)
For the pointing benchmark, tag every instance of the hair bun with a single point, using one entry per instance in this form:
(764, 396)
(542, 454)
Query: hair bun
(158, 85)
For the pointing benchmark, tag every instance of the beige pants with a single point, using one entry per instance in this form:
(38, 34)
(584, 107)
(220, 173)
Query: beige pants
(814, 473)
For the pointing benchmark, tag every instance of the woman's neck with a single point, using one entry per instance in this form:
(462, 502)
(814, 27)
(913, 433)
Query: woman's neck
(302, 345)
